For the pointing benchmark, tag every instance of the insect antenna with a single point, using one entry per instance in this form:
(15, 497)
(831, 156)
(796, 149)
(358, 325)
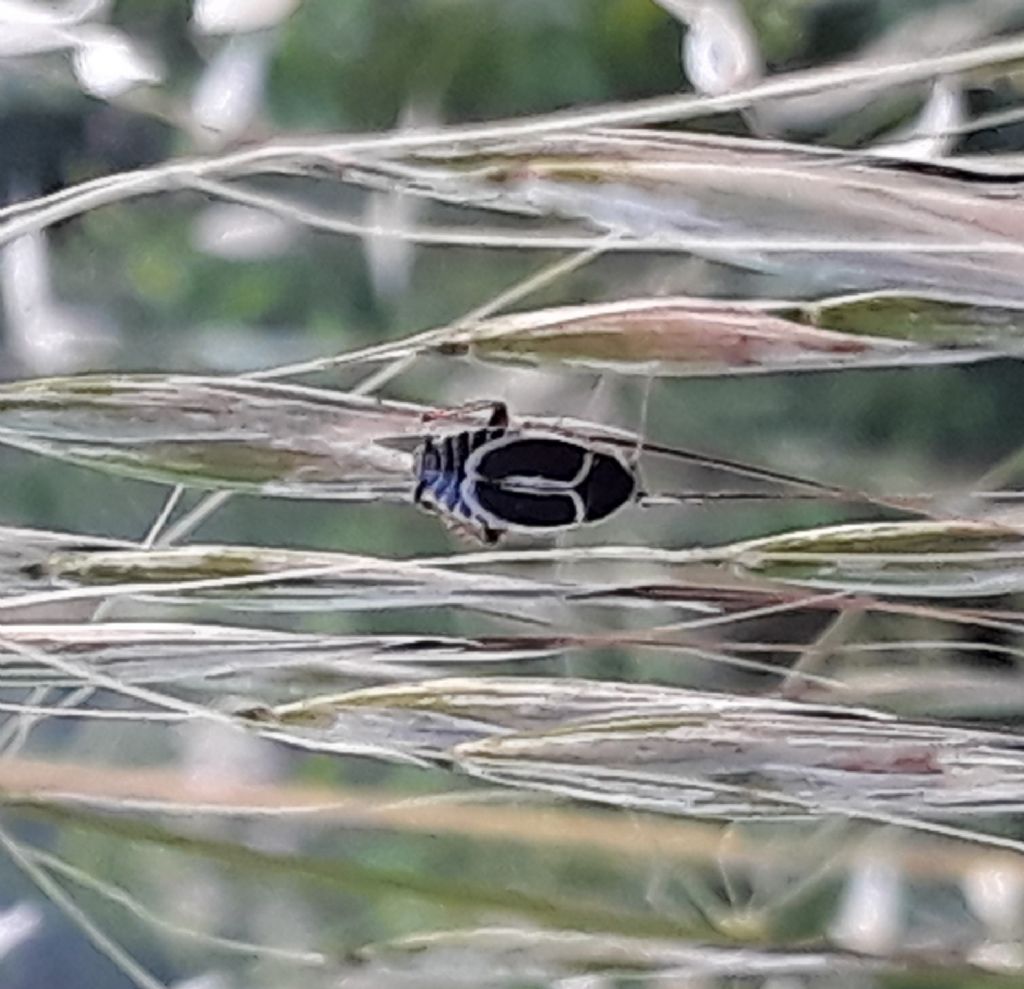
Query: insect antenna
(805, 488)
(800, 488)
(497, 408)
(640, 495)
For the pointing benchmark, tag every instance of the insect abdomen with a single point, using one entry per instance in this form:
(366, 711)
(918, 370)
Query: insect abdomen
(527, 510)
(545, 482)
(606, 488)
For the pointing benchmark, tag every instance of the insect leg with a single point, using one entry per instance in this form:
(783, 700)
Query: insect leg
(498, 416)
(634, 458)
(489, 536)
(645, 405)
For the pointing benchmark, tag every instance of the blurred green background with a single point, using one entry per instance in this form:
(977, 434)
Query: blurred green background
(167, 295)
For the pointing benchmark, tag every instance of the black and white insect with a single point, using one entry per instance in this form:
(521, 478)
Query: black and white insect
(498, 479)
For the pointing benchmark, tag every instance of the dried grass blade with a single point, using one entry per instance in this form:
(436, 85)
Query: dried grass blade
(678, 337)
(237, 434)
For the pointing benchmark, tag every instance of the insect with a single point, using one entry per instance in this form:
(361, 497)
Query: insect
(497, 479)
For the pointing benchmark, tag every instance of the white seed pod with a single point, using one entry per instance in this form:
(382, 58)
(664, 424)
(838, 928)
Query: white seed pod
(229, 93)
(107, 63)
(17, 925)
(239, 16)
(871, 915)
(995, 894)
(933, 132)
(720, 53)
(242, 233)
